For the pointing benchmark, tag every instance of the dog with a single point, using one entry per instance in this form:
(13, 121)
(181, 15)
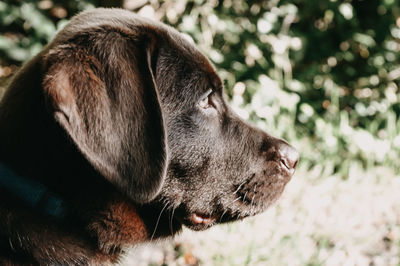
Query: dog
(118, 133)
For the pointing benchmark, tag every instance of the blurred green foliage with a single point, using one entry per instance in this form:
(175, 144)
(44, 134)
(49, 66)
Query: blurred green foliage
(322, 74)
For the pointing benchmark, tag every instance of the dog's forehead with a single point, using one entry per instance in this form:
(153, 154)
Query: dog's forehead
(186, 48)
(120, 18)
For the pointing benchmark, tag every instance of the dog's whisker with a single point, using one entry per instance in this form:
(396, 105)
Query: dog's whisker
(158, 220)
(245, 194)
(252, 199)
(220, 219)
(238, 198)
(227, 207)
(232, 202)
(239, 187)
(11, 244)
(170, 221)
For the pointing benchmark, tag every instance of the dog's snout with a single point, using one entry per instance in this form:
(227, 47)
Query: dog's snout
(288, 155)
(281, 152)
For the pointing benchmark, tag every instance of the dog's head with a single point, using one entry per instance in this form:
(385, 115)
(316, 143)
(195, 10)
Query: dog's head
(146, 109)
(220, 168)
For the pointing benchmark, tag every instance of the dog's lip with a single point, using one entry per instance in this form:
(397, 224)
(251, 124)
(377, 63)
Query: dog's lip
(202, 219)
(198, 221)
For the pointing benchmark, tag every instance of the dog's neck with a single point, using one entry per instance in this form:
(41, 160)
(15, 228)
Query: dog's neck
(31, 193)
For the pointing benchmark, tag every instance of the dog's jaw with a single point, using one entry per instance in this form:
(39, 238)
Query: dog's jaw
(245, 197)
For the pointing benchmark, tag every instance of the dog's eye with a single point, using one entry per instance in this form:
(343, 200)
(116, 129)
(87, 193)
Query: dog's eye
(205, 101)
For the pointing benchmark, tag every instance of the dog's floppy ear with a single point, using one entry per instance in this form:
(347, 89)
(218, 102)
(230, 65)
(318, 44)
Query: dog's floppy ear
(101, 90)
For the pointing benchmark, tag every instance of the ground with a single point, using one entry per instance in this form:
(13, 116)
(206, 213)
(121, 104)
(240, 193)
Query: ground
(317, 221)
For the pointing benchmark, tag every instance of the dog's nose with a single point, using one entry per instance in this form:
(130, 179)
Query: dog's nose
(288, 155)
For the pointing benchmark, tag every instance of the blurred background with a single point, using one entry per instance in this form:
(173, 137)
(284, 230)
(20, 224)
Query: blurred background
(324, 75)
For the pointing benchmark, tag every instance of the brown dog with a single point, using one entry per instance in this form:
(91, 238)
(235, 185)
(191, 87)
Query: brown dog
(117, 133)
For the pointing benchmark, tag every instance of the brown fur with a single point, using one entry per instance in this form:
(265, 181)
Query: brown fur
(107, 117)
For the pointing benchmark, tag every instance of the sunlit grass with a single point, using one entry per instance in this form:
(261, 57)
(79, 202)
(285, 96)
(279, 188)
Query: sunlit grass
(317, 221)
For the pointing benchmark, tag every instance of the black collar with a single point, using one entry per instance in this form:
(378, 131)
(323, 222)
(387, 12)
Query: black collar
(32, 193)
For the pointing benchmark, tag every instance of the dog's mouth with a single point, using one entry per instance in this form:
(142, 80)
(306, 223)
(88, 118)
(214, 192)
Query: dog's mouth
(202, 219)
(248, 199)
(198, 221)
